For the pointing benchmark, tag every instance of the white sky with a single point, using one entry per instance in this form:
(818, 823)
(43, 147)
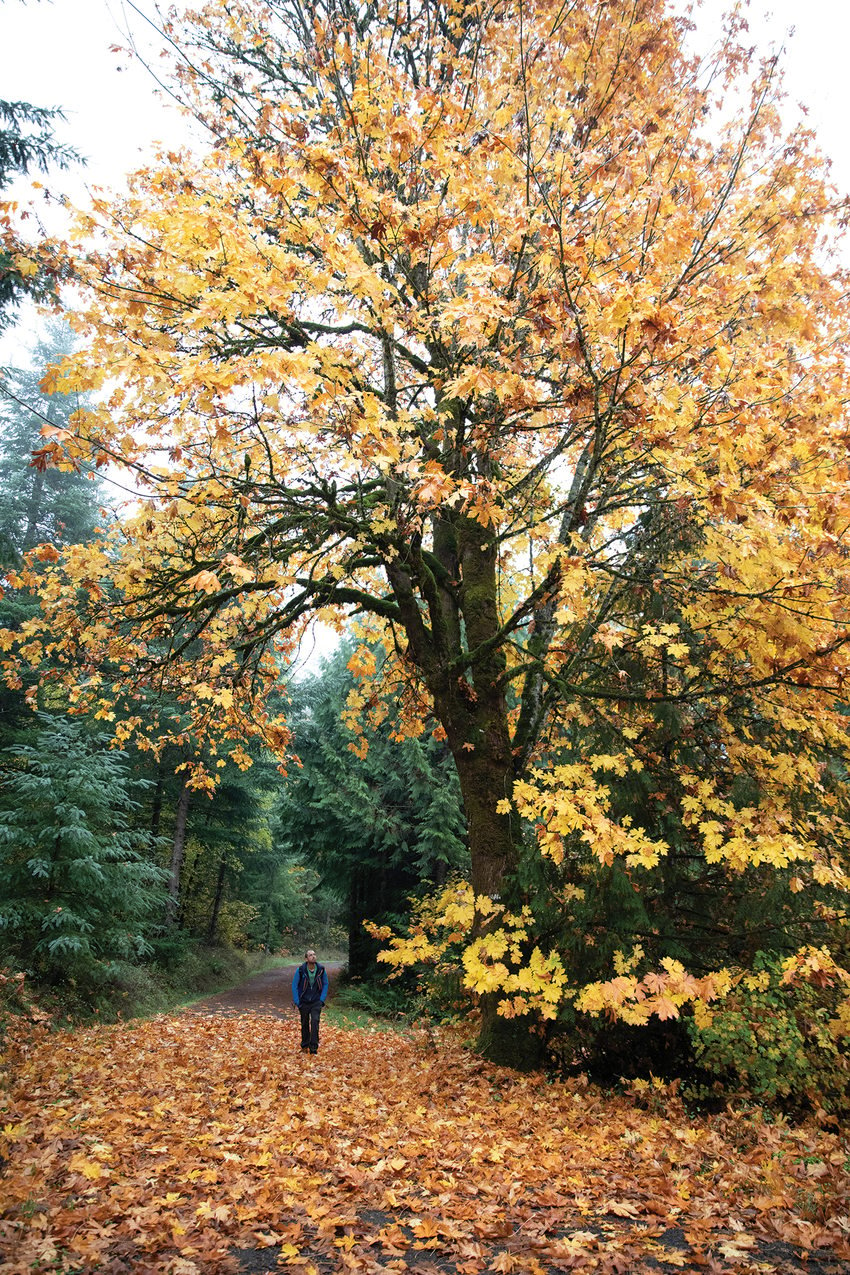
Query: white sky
(57, 53)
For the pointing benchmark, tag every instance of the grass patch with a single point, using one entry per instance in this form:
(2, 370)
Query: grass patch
(186, 971)
(199, 972)
(263, 962)
(190, 976)
(340, 1014)
(373, 1006)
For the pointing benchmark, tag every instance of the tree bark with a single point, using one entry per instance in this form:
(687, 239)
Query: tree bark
(216, 908)
(34, 503)
(177, 850)
(33, 511)
(475, 717)
(486, 775)
(462, 657)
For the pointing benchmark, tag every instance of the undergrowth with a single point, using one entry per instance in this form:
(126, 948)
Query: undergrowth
(122, 989)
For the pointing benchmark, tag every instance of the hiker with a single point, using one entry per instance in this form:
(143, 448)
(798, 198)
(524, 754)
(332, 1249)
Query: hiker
(309, 989)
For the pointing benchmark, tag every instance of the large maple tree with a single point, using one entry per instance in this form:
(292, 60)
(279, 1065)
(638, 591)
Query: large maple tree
(512, 332)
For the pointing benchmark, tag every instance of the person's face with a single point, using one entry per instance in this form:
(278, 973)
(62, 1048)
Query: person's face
(311, 957)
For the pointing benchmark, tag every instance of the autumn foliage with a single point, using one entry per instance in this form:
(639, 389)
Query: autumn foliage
(512, 335)
(175, 1144)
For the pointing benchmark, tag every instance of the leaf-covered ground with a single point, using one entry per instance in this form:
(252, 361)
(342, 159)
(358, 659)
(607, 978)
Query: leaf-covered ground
(204, 1143)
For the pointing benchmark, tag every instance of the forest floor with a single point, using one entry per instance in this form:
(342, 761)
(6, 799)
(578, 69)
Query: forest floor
(203, 1141)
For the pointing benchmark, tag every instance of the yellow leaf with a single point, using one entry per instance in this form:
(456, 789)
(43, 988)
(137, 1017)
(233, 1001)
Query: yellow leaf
(90, 1169)
(25, 266)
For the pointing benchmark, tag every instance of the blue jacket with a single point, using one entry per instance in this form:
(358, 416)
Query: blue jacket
(302, 992)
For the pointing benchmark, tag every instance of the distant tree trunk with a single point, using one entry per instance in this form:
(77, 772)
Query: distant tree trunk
(177, 849)
(268, 943)
(34, 504)
(33, 510)
(361, 948)
(219, 891)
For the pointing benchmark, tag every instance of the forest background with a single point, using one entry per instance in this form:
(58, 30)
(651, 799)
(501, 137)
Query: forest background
(121, 864)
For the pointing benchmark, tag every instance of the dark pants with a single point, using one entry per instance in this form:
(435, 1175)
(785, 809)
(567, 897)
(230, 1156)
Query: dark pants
(310, 1026)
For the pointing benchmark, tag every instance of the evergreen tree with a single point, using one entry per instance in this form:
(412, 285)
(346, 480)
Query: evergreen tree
(26, 143)
(37, 505)
(294, 906)
(224, 831)
(77, 884)
(41, 503)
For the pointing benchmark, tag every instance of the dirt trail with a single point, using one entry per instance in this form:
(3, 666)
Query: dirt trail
(268, 993)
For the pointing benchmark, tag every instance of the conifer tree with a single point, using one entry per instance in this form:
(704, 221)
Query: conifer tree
(27, 143)
(78, 887)
(39, 503)
(42, 507)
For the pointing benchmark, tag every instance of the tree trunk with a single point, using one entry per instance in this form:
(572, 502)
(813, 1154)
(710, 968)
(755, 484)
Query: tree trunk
(509, 1042)
(474, 714)
(463, 661)
(484, 780)
(361, 948)
(34, 503)
(177, 849)
(480, 742)
(494, 853)
(216, 908)
(33, 511)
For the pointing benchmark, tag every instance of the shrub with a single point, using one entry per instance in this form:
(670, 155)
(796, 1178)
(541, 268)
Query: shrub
(383, 1000)
(781, 1034)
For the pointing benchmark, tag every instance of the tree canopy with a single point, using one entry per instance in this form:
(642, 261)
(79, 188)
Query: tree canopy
(512, 334)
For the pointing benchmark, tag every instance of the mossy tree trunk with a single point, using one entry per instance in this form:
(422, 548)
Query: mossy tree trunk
(178, 847)
(462, 656)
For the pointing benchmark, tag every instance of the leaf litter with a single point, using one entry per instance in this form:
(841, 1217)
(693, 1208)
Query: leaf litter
(202, 1143)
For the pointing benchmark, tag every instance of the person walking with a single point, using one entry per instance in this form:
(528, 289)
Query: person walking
(309, 990)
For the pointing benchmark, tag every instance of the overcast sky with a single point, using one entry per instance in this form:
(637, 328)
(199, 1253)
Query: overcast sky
(57, 53)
